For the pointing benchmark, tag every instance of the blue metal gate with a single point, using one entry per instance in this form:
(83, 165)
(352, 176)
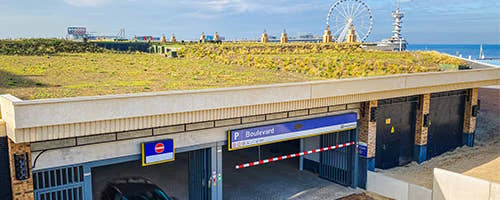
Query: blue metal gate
(63, 183)
(396, 120)
(447, 119)
(339, 165)
(199, 174)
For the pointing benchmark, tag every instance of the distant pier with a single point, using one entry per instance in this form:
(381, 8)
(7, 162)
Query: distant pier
(489, 59)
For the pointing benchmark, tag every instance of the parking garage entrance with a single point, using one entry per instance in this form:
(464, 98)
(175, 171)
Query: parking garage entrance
(186, 177)
(260, 162)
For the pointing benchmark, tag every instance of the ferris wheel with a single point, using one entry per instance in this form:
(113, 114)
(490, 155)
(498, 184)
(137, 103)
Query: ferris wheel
(345, 15)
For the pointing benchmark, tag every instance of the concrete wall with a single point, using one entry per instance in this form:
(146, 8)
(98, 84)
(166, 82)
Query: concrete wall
(450, 185)
(310, 144)
(396, 189)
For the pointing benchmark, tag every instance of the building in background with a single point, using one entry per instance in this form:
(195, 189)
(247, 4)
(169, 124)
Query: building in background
(77, 32)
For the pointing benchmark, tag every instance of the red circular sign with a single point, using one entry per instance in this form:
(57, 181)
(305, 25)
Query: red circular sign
(159, 147)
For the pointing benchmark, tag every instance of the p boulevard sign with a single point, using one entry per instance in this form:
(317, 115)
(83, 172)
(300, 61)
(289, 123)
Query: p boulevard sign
(250, 137)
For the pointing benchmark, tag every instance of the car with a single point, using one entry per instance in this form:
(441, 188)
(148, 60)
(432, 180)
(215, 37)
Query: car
(133, 188)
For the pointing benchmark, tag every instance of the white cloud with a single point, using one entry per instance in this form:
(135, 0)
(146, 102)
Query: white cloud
(86, 3)
(241, 6)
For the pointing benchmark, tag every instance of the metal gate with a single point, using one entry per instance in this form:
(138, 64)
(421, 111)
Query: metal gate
(199, 174)
(395, 131)
(65, 183)
(447, 119)
(338, 165)
(5, 191)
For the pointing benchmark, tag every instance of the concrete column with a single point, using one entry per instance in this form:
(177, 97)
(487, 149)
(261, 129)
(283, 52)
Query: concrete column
(469, 128)
(219, 170)
(421, 131)
(213, 174)
(216, 154)
(21, 190)
(367, 134)
(87, 180)
(301, 158)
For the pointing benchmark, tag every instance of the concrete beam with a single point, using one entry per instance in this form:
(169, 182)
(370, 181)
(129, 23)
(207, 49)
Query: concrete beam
(123, 148)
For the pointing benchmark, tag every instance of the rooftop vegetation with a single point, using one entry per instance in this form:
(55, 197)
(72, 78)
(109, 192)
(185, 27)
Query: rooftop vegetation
(53, 69)
(41, 47)
(322, 60)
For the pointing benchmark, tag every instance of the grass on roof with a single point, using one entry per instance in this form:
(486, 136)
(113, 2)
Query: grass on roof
(203, 66)
(87, 74)
(328, 61)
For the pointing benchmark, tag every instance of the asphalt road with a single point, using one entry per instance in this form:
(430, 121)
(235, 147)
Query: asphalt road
(278, 180)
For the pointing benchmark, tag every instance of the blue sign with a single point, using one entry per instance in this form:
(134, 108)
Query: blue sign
(158, 152)
(250, 137)
(362, 149)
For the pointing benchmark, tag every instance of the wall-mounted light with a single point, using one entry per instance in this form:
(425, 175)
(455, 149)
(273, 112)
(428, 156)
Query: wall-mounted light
(427, 121)
(373, 111)
(21, 166)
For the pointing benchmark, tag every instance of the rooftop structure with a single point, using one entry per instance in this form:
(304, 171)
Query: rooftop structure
(264, 38)
(398, 16)
(173, 39)
(203, 37)
(284, 37)
(327, 37)
(396, 42)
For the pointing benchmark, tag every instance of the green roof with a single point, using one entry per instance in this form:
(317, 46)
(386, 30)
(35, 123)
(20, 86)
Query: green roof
(202, 66)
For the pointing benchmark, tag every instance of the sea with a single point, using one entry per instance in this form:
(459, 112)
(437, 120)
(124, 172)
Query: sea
(465, 50)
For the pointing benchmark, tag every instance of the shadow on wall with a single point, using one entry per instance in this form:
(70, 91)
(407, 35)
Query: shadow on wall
(10, 80)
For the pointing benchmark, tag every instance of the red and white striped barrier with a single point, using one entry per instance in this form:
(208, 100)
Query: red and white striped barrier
(250, 164)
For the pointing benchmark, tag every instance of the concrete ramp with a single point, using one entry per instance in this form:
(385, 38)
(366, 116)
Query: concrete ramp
(396, 189)
(453, 186)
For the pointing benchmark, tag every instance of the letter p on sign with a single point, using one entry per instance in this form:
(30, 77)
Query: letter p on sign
(236, 134)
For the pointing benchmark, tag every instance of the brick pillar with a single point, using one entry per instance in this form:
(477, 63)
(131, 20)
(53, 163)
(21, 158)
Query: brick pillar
(368, 133)
(469, 129)
(420, 149)
(22, 190)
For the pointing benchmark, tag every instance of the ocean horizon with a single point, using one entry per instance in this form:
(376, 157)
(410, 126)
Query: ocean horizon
(464, 50)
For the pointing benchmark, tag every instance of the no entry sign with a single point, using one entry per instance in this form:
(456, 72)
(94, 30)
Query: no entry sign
(157, 152)
(159, 147)
(250, 137)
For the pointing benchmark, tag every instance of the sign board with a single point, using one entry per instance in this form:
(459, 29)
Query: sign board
(362, 149)
(157, 152)
(77, 30)
(147, 38)
(250, 137)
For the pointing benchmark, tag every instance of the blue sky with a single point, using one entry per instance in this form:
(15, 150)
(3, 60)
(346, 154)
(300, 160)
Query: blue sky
(426, 21)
